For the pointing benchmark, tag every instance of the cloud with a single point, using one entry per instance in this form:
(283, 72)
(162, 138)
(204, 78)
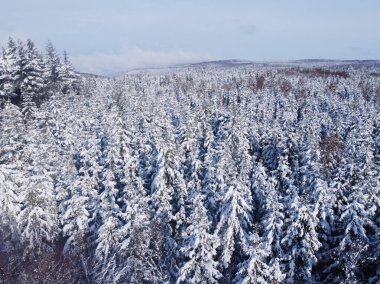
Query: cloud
(131, 58)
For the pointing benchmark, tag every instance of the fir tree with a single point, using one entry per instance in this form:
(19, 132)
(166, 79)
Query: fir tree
(200, 248)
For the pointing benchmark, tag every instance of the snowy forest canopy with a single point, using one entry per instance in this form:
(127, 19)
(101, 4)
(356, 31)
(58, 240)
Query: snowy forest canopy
(205, 174)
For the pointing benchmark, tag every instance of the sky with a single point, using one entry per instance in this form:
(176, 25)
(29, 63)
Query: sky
(117, 35)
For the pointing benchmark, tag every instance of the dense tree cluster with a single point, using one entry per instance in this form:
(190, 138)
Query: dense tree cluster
(28, 77)
(201, 175)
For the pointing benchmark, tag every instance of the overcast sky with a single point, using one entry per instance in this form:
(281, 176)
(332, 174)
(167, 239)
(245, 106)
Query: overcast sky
(109, 36)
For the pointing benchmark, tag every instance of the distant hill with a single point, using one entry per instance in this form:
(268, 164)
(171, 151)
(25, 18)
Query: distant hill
(299, 62)
(229, 63)
(218, 63)
(90, 75)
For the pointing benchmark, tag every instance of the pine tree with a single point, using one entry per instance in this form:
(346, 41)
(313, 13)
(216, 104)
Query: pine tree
(11, 72)
(78, 209)
(200, 249)
(353, 241)
(255, 269)
(235, 209)
(38, 219)
(162, 195)
(51, 69)
(273, 228)
(300, 242)
(32, 85)
(12, 140)
(9, 201)
(107, 239)
(38, 222)
(68, 77)
(137, 256)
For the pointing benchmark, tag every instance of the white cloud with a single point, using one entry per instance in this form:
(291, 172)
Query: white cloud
(130, 58)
